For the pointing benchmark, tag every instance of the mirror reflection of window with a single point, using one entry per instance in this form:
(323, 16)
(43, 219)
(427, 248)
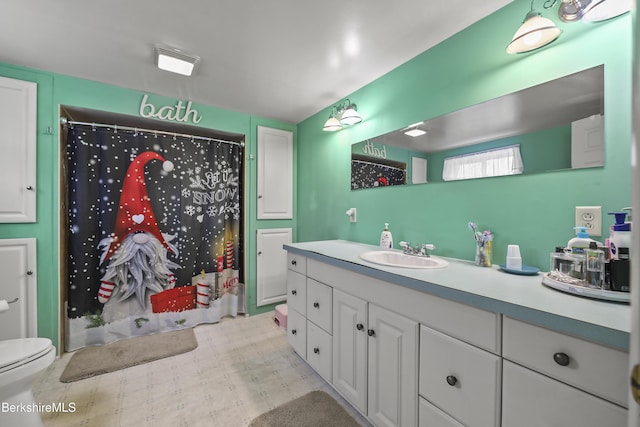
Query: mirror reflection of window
(499, 162)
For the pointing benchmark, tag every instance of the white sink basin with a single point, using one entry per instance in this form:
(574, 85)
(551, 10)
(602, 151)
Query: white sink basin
(399, 259)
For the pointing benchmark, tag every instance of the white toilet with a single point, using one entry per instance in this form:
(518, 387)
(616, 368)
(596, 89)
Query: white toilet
(20, 360)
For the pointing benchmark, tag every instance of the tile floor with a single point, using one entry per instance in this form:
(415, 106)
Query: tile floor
(241, 368)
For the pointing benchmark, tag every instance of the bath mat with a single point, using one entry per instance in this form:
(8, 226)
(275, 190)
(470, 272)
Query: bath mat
(314, 409)
(92, 361)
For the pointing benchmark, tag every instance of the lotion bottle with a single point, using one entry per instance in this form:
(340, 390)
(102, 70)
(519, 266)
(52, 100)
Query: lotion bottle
(386, 240)
(578, 244)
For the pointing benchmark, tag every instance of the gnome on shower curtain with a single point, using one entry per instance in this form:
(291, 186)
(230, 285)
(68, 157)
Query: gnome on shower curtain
(136, 250)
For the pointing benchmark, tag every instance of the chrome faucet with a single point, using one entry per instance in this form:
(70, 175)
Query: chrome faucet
(418, 250)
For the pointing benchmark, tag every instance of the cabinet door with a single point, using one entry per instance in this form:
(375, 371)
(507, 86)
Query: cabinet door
(18, 284)
(533, 400)
(393, 368)
(271, 265)
(297, 292)
(18, 146)
(350, 348)
(275, 173)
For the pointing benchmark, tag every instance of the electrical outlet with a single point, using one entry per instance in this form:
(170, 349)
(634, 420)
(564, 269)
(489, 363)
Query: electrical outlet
(589, 217)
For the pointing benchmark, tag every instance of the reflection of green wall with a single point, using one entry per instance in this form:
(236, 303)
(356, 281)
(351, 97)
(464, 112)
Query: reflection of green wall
(545, 150)
(535, 211)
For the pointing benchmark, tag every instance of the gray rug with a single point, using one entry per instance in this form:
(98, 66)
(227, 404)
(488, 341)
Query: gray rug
(92, 361)
(314, 409)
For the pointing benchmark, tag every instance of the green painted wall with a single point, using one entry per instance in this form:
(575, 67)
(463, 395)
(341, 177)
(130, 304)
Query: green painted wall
(535, 211)
(55, 90)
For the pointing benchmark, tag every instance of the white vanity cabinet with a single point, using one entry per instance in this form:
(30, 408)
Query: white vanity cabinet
(554, 379)
(375, 360)
(403, 356)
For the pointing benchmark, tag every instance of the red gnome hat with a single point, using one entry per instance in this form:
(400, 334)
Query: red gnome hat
(135, 212)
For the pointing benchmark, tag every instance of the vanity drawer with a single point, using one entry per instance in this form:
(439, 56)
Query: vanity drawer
(297, 332)
(297, 292)
(319, 351)
(319, 304)
(297, 263)
(460, 379)
(533, 400)
(592, 367)
(430, 416)
(470, 324)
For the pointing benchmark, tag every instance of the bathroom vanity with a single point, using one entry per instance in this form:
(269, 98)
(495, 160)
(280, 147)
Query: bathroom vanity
(456, 346)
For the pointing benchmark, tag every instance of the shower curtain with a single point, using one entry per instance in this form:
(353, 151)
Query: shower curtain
(155, 233)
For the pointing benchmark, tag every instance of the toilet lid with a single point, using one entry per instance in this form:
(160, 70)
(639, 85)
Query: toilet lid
(22, 350)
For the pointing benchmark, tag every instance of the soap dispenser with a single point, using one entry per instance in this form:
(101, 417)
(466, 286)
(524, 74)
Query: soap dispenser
(578, 244)
(386, 240)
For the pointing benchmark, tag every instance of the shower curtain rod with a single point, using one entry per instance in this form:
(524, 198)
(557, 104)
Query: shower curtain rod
(65, 122)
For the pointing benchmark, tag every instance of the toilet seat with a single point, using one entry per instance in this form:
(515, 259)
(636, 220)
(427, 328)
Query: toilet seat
(17, 352)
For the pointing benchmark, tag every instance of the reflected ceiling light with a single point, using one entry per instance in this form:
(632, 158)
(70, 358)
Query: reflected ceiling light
(344, 113)
(535, 32)
(175, 60)
(414, 130)
(592, 10)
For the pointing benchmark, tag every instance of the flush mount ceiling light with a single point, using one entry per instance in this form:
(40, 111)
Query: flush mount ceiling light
(175, 60)
(414, 130)
(344, 113)
(592, 10)
(535, 32)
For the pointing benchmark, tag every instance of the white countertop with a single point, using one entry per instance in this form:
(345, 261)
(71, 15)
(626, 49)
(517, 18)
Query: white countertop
(523, 297)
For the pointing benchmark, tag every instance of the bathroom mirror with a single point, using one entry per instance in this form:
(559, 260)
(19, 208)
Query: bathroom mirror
(556, 125)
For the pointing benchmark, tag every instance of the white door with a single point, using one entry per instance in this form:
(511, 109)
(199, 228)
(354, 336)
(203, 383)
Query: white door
(350, 348)
(271, 265)
(18, 287)
(18, 146)
(275, 173)
(393, 368)
(587, 142)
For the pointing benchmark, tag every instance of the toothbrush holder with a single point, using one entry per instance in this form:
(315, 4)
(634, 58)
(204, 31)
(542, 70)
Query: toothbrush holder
(483, 253)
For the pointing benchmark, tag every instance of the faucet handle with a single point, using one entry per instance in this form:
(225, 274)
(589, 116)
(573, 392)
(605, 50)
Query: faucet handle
(406, 246)
(426, 247)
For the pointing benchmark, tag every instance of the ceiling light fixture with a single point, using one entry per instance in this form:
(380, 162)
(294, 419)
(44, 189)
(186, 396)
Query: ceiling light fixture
(592, 10)
(535, 32)
(345, 113)
(175, 60)
(414, 130)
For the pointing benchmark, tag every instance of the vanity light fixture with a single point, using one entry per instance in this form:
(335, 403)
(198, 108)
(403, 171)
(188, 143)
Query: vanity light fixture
(175, 60)
(535, 32)
(344, 113)
(592, 10)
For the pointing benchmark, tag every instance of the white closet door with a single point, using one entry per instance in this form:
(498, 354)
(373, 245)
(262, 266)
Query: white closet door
(271, 265)
(275, 173)
(18, 284)
(18, 146)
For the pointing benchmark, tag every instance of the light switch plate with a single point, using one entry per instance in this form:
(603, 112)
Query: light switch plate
(589, 217)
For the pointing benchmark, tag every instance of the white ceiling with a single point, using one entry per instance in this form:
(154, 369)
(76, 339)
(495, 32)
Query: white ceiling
(279, 59)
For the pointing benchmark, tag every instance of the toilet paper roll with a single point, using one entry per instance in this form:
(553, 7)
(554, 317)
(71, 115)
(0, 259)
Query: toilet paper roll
(4, 305)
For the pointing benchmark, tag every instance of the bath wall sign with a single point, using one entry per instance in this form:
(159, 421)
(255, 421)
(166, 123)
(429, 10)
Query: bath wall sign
(178, 113)
(370, 149)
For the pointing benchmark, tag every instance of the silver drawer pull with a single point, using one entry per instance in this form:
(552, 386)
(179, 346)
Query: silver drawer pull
(13, 300)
